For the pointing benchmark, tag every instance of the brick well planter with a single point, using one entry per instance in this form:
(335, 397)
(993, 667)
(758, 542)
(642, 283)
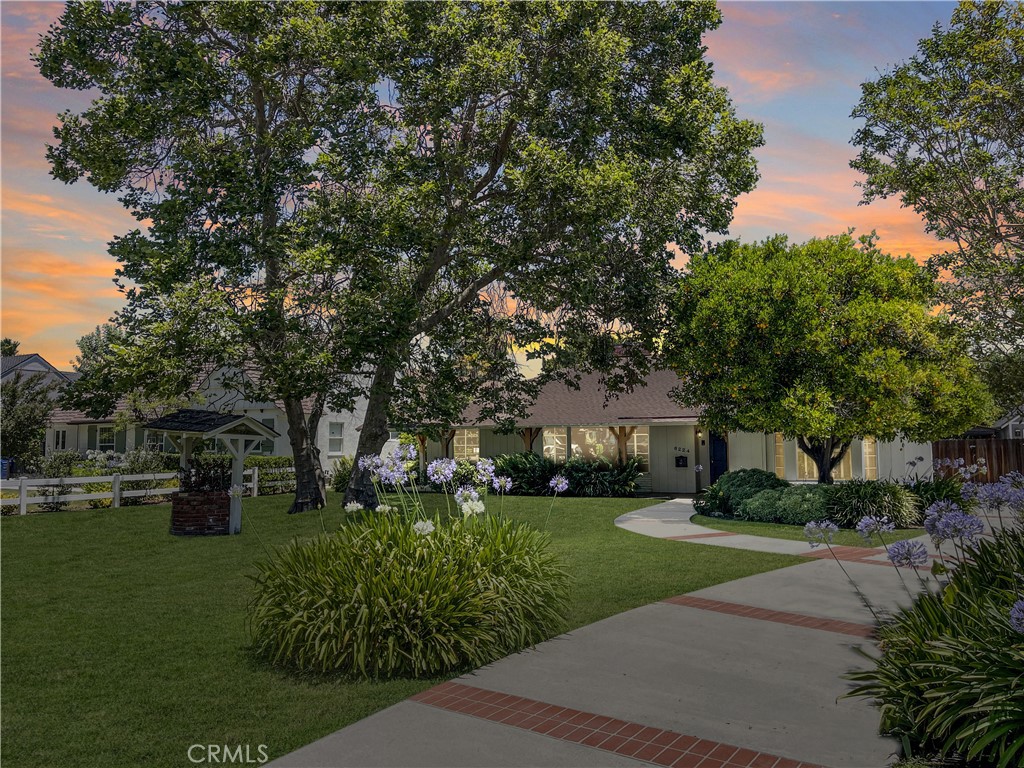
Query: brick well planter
(200, 513)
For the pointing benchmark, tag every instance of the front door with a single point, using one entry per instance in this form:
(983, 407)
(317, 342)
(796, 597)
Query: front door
(719, 456)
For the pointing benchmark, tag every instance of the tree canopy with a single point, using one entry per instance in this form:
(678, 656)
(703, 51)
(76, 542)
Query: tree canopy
(825, 341)
(9, 347)
(944, 132)
(26, 403)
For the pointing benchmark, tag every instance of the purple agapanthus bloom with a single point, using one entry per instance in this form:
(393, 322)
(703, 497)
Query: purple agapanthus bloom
(406, 452)
(820, 532)
(699, 468)
(946, 521)
(869, 525)
(441, 471)
(908, 554)
(1017, 616)
(485, 471)
(559, 484)
(392, 472)
(464, 494)
(371, 464)
(502, 484)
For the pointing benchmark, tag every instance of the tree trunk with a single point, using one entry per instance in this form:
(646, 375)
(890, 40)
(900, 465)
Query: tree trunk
(373, 434)
(310, 485)
(826, 454)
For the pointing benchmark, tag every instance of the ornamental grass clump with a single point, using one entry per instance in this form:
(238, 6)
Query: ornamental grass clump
(850, 501)
(387, 596)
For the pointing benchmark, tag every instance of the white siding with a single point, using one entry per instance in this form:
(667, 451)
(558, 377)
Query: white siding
(751, 450)
(667, 442)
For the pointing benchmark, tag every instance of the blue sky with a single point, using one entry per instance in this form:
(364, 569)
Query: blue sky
(794, 66)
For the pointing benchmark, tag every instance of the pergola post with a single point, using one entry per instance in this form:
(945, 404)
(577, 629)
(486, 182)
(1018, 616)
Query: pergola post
(239, 448)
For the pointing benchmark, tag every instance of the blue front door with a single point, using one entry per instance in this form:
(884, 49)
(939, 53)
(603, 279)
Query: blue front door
(719, 455)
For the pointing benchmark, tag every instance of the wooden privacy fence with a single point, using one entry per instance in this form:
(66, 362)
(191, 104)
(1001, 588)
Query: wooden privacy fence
(59, 490)
(1002, 455)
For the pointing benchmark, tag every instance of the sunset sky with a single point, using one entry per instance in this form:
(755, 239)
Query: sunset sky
(795, 67)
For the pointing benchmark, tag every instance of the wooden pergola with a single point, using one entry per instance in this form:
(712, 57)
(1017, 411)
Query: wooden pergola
(240, 435)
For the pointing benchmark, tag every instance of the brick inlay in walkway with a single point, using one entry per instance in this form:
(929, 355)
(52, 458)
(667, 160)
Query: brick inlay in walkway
(635, 740)
(702, 535)
(780, 617)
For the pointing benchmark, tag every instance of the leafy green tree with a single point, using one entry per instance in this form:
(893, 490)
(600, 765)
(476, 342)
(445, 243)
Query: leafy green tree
(526, 166)
(824, 342)
(9, 347)
(26, 403)
(944, 132)
(207, 123)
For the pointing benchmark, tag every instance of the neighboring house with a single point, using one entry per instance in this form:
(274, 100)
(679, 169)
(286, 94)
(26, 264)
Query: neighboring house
(668, 438)
(1010, 427)
(337, 436)
(29, 365)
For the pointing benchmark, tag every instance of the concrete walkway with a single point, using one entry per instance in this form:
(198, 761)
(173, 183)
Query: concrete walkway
(746, 673)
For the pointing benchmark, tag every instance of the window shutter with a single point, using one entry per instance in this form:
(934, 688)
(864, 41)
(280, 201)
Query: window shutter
(120, 443)
(91, 442)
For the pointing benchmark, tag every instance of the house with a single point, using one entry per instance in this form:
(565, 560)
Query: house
(337, 435)
(677, 454)
(29, 365)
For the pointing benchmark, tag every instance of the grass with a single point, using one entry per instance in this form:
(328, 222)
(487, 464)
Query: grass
(123, 645)
(844, 538)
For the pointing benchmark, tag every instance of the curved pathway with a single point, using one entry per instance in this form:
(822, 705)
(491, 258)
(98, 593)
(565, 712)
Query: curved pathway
(742, 674)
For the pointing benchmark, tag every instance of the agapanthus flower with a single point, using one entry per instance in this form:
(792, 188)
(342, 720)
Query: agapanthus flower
(371, 464)
(353, 506)
(237, 491)
(392, 472)
(385, 508)
(423, 527)
(472, 508)
(484, 471)
(869, 525)
(699, 468)
(908, 553)
(822, 531)
(559, 484)
(466, 494)
(945, 521)
(406, 452)
(441, 471)
(1017, 616)
(502, 484)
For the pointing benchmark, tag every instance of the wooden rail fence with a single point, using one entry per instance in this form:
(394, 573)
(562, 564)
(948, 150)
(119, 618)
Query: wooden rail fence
(54, 490)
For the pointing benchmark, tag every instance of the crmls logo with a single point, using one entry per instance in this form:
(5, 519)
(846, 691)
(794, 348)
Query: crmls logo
(223, 753)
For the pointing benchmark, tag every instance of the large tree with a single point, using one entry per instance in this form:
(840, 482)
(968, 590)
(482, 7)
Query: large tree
(825, 342)
(526, 166)
(9, 347)
(207, 122)
(26, 403)
(944, 132)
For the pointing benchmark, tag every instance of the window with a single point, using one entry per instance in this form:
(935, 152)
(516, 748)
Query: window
(870, 458)
(593, 443)
(60, 439)
(105, 438)
(267, 446)
(466, 444)
(335, 437)
(554, 439)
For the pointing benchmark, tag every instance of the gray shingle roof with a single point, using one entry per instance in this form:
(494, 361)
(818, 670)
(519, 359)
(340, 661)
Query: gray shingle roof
(559, 404)
(193, 420)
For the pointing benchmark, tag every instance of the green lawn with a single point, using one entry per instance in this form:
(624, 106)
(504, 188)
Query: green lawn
(796, 532)
(123, 645)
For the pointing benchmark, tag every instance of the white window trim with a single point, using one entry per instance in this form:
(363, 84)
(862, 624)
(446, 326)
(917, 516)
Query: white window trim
(340, 438)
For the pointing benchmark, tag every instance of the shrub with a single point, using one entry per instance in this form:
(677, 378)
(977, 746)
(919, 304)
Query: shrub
(141, 462)
(795, 505)
(943, 488)
(723, 499)
(341, 473)
(377, 599)
(948, 679)
(848, 502)
(57, 465)
(601, 478)
(530, 472)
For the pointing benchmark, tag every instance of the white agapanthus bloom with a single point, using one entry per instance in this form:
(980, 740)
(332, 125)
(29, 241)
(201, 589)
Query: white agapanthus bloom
(385, 508)
(472, 508)
(353, 506)
(423, 527)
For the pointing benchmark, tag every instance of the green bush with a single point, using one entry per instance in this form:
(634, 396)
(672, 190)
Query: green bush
(948, 680)
(848, 502)
(58, 464)
(600, 478)
(341, 473)
(795, 505)
(723, 499)
(530, 472)
(378, 600)
(942, 488)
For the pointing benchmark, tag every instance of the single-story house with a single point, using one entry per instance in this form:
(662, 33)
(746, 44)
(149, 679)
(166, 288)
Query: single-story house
(337, 436)
(679, 456)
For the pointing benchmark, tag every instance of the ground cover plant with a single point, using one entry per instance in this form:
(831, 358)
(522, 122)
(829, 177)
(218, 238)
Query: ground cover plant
(146, 641)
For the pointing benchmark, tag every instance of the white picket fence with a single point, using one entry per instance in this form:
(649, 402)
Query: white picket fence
(46, 490)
